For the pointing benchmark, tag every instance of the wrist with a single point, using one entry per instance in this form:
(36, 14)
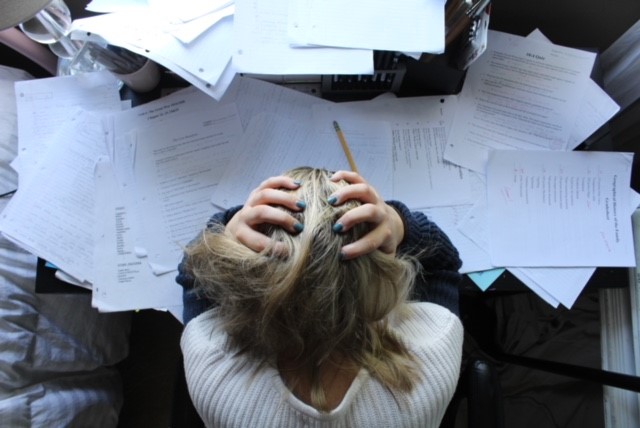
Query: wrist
(397, 224)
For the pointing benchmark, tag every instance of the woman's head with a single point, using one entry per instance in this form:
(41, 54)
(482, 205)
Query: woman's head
(304, 302)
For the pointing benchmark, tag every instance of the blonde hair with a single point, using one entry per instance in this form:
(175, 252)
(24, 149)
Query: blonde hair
(310, 304)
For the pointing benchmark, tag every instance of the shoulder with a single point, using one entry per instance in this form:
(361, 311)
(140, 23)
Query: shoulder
(203, 342)
(424, 325)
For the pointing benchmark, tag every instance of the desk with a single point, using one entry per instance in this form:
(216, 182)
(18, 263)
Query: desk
(574, 23)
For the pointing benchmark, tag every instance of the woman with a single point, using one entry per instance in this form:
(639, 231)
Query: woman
(304, 311)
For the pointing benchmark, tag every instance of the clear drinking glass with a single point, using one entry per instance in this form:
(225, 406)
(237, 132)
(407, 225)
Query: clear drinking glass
(51, 26)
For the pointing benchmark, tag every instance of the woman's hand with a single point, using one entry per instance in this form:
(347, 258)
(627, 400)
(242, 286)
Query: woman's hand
(259, 209)
(387, 227)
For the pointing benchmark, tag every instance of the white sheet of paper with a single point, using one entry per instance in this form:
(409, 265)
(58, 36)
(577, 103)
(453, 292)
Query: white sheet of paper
(273, 144)
(122, 280)
(474, 258)
(188, 32)
(261, 45)
(421, 176)
(418, 125)
(559, 209)
(534, 286)
(254, 96)
(411, 25)
(43, 104)
(564, 284)
(9, 126)
(596, 108)
(368, 142)
(142, 32)
(52, 216)
(188, 9)
(176, 169)
(169, 109)
(108, 6)
(387, 107)
(520, 94)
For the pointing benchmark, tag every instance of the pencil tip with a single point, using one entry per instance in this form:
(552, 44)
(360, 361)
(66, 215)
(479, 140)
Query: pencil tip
(335, 125)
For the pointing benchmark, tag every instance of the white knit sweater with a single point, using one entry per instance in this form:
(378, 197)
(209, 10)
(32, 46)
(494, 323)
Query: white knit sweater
(236, 391)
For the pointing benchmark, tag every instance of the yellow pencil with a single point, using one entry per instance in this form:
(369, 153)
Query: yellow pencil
(345, 147)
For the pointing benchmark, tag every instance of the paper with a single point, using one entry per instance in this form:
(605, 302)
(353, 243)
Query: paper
(141, 31)
(564, 284)
(411, 25)
(596, 107)
(9, 126)
(561, 209)
(123, 281)
(273, 144)
(420, 170)
(107, 6)
(189, 9)
(52, 216)
(121, 124)
(473, 257)
(188, 32)
(419, 126)
(43, 104)
(520, 94)
(261, 45)
(485, 278)
(176, 170)
(254, 96)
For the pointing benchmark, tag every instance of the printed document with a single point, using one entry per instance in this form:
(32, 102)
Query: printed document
(176, 169)
(409, 26)
(273, 144)
(419, 127)
(52, 216)
(43, 104)
(261, 45)
(551, 209)
(123, 279)
(520, 94)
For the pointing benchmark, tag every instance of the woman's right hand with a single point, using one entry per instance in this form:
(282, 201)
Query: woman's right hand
(260, 208)
(386, 225)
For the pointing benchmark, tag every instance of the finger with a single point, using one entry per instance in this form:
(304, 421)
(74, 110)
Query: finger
(362, 192)
(252, 239)
(348, 176)
(265, 214)
(270, 196)
(365, 245)
(367, 213)
(279, 182)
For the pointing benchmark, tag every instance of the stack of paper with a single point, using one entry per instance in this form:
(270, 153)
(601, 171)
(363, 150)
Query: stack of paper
(208, 44)
(139, 183)
(548, 213)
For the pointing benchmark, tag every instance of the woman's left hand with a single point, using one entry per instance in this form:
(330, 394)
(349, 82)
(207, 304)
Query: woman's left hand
(387, 227)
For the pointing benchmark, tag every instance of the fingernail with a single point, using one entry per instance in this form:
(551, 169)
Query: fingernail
(337, 227)
(332, 200)
(301, 204)
(343, 257)
(297, 182)
(298, 227)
